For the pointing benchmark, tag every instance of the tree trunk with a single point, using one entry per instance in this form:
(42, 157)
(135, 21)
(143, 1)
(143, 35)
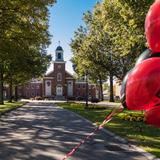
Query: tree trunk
(10, 92)
(1, 85)
(86, 106)
(101, 88)
(1, 88)
(16, 93)
(111, 98)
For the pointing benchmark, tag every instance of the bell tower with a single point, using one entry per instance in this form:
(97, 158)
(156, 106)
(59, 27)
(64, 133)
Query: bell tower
(59, 72)
(59, 53)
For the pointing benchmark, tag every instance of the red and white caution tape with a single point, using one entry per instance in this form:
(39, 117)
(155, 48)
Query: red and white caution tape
(106, 120)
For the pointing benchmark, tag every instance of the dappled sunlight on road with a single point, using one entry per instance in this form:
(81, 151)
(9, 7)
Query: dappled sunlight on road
(45, 132)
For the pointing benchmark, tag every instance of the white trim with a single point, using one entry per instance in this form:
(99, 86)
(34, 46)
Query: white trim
(70, 88)
(69, 78)
(48, 88)
(40, 82)
(76, 82)
(49, 72)
(69, 73)
(48, 77)
(59, 77)
(80, 82)
(59, 61)
(59, 90)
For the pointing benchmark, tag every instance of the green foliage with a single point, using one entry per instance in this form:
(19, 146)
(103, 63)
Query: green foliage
(112, 38)
(24, 38)
(133, 116)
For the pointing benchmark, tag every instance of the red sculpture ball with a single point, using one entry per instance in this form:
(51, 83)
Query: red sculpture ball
(152, 116)
(152, 27)
(143, 85)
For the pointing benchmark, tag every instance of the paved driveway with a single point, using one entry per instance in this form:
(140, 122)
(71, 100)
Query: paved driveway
(41, 131)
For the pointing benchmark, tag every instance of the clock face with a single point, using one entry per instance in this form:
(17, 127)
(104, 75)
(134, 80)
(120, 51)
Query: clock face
(59, 66)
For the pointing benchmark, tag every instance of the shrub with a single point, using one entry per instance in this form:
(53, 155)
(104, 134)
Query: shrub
(71, 98)
(94, 100)
(132, 117)
(79, 98)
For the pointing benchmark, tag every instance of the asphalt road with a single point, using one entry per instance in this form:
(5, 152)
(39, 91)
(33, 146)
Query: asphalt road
(41, 131)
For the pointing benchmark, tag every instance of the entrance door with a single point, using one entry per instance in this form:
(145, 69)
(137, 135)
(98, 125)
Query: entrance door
(59, 90)
(48, 88)
(70, 88)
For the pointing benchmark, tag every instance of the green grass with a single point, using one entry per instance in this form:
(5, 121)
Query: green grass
(9, 106)
(139, 133)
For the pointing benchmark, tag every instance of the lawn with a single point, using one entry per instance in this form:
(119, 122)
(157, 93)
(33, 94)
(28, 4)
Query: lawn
(9, 106)
(129, 125)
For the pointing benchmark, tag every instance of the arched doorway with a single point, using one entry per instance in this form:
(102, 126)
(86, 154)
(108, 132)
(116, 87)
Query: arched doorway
(48, 88)
(70, 88)
(59, 90)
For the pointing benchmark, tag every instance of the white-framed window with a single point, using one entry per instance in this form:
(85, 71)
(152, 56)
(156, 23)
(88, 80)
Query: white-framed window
(33, 94)
(59, 77)
(37, 86)
(27, 94)
(32, 86)
(27, 86)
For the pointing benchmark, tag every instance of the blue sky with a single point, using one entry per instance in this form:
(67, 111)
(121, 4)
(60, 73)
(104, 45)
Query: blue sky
(65, 17)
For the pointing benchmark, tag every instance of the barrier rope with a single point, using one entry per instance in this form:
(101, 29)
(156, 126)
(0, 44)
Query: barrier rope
(108, 118)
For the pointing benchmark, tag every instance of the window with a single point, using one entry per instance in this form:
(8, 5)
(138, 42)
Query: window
(59, 55)
(37, 87)
(27, 86)
(32, 86)
(27, 94)
(59, 77)
(79, 86)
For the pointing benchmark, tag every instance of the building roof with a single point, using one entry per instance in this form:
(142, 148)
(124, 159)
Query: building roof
(59, 48)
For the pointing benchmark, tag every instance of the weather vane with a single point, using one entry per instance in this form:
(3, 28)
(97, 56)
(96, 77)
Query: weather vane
(59, 43)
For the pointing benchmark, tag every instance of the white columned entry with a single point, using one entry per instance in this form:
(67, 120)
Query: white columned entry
(48, 88)
(70, 88)
(97, 93)
(59, 90)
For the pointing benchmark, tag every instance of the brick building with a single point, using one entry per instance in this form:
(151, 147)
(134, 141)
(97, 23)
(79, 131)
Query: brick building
(58, 84)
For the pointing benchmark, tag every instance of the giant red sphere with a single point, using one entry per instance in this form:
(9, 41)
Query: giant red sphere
(152, 116)
(152, 27)
(143, 84)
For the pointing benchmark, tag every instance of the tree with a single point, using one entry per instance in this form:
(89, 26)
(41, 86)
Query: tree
(24, 34)
(114, 37)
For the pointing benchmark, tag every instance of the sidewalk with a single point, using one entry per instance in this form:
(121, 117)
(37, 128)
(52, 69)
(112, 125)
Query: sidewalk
(103, 103)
